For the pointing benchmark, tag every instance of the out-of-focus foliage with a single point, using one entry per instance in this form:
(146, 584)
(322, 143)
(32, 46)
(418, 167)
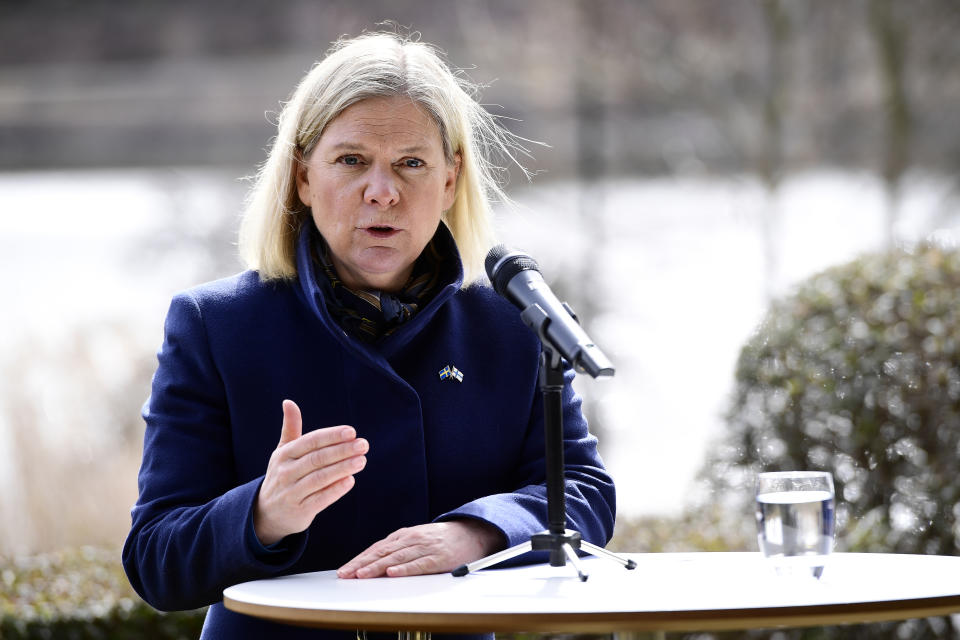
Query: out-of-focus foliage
(858, 373)
(80, 594)
(707, 528)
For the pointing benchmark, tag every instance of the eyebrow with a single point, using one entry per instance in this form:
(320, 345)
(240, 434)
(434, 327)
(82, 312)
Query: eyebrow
(356, 146)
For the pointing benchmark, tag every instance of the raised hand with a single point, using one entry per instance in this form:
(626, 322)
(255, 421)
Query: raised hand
(305, 475)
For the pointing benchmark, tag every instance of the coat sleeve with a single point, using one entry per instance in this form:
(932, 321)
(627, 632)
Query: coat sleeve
(189, 537)
(589, 490)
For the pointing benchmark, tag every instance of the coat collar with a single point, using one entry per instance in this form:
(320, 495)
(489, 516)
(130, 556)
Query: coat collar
(313, 296)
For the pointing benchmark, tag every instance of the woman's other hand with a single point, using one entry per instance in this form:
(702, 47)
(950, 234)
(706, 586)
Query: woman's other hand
(428, 548)
(305, 475)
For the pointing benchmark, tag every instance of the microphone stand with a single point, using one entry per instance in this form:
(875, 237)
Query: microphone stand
(561, 542)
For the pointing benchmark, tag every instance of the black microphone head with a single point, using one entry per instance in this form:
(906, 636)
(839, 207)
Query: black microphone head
(502, 264)
(493, 257)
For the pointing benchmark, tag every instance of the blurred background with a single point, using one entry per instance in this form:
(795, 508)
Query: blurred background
(700, 161)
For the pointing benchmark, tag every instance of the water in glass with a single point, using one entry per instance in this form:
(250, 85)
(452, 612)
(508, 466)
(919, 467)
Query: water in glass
(795, 521)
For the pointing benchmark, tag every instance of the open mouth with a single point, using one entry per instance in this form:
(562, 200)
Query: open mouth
(381, 231)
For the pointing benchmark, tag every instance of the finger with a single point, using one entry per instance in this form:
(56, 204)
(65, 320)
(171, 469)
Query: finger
(374, 553)
(329, 457)
(397, 549)
(418, 567)
(319, 479)
(292, 427)
(319, 439)
(406, 561)
(322, 499)
(378, 567)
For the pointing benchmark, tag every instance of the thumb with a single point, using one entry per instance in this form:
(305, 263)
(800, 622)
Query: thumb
(292, 423)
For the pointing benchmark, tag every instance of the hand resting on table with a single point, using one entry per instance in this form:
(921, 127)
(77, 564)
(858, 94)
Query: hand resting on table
(427, 548)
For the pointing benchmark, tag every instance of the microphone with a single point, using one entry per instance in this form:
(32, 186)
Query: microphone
(516, 276)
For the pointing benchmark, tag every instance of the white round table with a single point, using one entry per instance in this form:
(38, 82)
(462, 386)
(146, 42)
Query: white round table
(666, 592)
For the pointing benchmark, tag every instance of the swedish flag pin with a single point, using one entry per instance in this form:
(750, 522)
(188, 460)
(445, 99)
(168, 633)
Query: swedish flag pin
(450, 372)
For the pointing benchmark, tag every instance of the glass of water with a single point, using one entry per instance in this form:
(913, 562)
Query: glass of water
(795, 520)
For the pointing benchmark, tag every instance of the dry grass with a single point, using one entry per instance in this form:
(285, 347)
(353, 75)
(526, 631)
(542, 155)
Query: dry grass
(69, 416)
(66, 496)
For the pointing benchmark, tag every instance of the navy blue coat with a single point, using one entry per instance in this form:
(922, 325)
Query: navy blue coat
(234, 349)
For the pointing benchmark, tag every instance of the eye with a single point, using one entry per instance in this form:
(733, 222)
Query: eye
(350, 161)
(413, 163)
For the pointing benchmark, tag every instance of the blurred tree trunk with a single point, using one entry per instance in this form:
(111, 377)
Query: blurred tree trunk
(771, 157)
(590, 166)
(890, 41)
(591, 143)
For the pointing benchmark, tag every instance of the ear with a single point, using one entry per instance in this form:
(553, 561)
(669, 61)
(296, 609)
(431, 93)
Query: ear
(300, 170)
(450, 186)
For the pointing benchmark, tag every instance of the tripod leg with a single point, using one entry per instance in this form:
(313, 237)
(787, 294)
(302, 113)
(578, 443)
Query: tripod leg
(593, 549)
(492, 559)
(575, 561)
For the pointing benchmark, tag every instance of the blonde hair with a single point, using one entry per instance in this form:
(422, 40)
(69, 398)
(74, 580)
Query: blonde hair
(375, 65)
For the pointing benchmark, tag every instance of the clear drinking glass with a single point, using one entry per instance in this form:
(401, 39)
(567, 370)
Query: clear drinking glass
(795, 520)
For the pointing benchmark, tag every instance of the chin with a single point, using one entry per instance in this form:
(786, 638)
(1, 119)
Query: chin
(380, 278)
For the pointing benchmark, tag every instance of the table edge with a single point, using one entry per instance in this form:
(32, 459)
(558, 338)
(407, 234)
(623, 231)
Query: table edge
(606, 622)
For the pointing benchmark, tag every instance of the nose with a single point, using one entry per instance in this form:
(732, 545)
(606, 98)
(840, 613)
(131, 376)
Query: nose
(381, 188)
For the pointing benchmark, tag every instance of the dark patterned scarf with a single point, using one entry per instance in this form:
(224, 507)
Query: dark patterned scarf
(372, 315)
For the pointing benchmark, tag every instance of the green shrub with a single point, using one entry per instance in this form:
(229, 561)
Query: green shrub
(81, 594)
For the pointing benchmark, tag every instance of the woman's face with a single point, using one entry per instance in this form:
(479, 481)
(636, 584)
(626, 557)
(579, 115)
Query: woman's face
(377, 182)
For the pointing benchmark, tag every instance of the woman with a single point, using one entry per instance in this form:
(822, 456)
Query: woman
(410, 436)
